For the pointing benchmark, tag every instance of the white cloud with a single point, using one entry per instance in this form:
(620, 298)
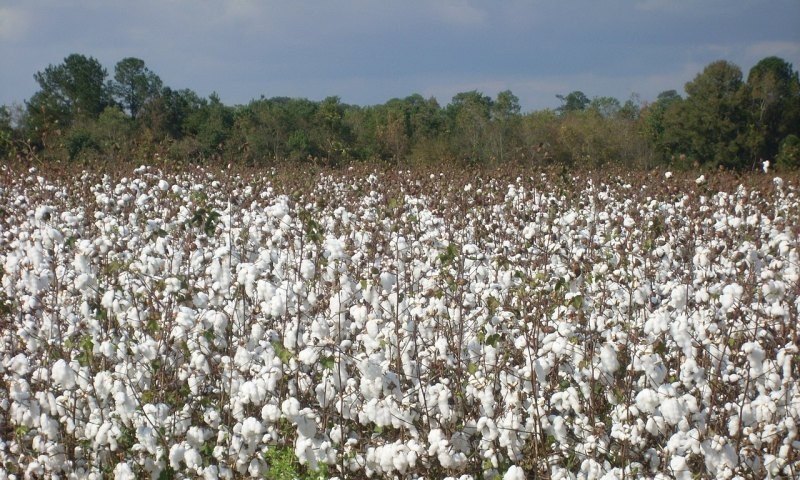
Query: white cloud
(661, 6)
(786, 49)
(14, 23)
(458, 12)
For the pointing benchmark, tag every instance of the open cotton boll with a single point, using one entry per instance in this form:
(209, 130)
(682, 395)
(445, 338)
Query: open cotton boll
(290, 407)
(608, 359)
(252, 429)
(673, 410)
(514, 473)
(680, 469)
(192, 459)
(678, 297)
(19, 364)
(647, 400)
(730, 296)
(63, 375)
(271, 413)
(176, 453)
(123, 471)
(306, 423)
(307, 269)
(309, 355)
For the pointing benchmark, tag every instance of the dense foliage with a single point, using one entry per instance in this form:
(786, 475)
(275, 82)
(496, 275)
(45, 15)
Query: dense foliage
(79, 114)
(397, 325)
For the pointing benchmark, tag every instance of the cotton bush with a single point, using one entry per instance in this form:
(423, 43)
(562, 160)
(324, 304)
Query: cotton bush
(398, 325)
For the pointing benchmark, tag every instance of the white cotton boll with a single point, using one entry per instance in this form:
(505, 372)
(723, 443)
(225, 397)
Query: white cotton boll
(773, 290)
(307, 269)
(163, 185)
(277, 304)
(336, 434)
(254, 468)
(108, 299)
(647, 400)
(211, 417)
(487, 428)
(306, 424)
(290, 407)
(755, 355)
(20, 365)
(43, 212)
(680, 469)
(388, 281)
(147, 438)
(193, 459)
(673, 410)
(242, 358)
(271, 413)
(608, 359)
(334, 248)
(309, 355)
(700, 180)
(514, 473)
(176, 455)
(49, 427)
(211, 472)
(373, 328)
(123, 471)
(252, 429)
(559, 429)
(103, 384)
(776, 311)
(678, 297)
(668, 175)
(63, 375)
(691, 372)
(195, 436)
(83, 283)
(730, 296)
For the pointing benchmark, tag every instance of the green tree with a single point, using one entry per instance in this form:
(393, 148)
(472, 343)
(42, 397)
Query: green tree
(710, 126)
(333, 135)
(211, 126)
(134, 84)
(166, 115)
(76, 87)
(573, 102)
(393, 134)
(606, 107)
(505, 119)
(470, 117)
(654, 125)
(774, 91)
(788, 157)
(6, 132)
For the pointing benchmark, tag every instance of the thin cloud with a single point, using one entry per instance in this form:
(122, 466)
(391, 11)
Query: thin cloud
(458, 13)
(14, 23)
(788, 49)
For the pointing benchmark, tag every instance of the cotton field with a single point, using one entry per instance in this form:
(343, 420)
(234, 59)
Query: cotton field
(398, 325)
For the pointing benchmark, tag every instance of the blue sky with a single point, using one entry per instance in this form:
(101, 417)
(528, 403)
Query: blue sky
(369, 51)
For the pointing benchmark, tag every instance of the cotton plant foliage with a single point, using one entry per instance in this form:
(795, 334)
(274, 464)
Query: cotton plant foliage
(398, 325)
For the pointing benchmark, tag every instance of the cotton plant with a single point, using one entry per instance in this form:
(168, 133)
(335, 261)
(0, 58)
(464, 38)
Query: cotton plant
(397, 325)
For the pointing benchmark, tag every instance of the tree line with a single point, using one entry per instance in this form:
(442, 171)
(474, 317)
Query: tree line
(79, 114)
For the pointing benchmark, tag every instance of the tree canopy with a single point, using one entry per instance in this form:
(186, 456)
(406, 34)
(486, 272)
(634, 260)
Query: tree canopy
(722, 119)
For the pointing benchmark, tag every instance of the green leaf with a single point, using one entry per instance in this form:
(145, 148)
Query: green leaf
(327, 363)
(281, 351)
